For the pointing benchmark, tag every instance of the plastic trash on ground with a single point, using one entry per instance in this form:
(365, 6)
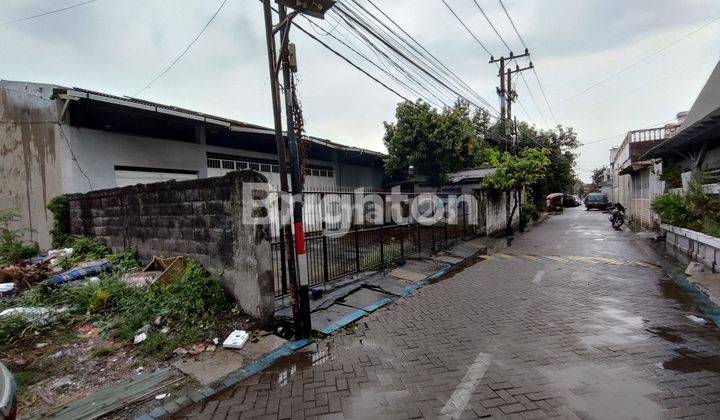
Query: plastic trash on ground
(6, 287)
(32, 314)
(697, 319)
(141, 279)
(87, 270)
(140, 338)
(236, 340)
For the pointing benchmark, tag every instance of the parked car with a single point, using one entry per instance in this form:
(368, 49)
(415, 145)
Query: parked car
(570, 201)
(8, 399)
(596, 201)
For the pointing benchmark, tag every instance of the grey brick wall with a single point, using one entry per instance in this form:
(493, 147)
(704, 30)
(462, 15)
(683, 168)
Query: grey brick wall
(200, 219)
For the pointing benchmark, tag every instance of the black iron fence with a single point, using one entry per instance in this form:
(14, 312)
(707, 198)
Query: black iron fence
(348, 243)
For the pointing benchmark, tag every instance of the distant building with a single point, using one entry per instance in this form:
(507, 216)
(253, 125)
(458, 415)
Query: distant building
(635, 181)
(56, 140)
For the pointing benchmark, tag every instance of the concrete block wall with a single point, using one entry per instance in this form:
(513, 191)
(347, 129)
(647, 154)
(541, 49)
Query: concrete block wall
(686, 245)
(200, 219)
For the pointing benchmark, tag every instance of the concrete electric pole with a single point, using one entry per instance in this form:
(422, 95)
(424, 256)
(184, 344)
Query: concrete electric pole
(507, 94)
(297, 260)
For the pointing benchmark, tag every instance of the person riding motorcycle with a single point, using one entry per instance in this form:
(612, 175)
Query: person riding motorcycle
(617, 215)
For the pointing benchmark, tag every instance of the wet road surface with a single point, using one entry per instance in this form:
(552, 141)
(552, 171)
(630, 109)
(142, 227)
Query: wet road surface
(572, 321)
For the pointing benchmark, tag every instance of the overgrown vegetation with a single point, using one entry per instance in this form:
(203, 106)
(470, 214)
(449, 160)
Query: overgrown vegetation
(391, 253)
(60, 232)
(188, 307)
(672, 177)
(84, 249)
(529, 212)
(12, 247)
(696, 210)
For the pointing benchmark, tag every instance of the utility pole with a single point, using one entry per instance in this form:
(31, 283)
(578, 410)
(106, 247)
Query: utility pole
(285, 233)
(305, 327)
(507, 94)
(297, 260)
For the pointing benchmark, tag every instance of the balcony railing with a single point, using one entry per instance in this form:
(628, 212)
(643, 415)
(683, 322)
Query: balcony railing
(650, 134)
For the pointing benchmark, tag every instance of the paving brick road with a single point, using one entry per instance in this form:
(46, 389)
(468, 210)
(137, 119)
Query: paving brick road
(537, 332)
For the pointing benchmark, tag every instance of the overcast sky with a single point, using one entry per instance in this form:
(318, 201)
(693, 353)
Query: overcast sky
(119, 46)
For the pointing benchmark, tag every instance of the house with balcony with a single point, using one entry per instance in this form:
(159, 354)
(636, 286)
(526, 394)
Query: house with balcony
(58, 140)
(636, 181)
(693, 150)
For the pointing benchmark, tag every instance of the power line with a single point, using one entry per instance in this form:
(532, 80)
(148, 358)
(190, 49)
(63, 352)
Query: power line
(409, 43)
(373, 63)
(185, 51)
(347, 60)
(10, 22)
(532, 96)
(635, 63)
(467, 28)
(487, 18)
(340, 8)
(421, 79)
(72, 154)
(492, 26)
(623, 133)
(513, 24)
(537, 76)
(641, 87)
(412, 56)
(434, 58)
(418, 79)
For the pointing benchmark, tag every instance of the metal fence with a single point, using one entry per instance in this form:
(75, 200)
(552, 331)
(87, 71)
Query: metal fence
(349, 244)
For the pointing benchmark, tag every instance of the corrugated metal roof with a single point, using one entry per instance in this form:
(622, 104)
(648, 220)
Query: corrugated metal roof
(470, 174)
(195, 115)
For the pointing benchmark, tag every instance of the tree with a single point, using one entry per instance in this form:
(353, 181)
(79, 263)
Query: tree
(598, 177)
(514, 173)
(560, 174)
(434, 143)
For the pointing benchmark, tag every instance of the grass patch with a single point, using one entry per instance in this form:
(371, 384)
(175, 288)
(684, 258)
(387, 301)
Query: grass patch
(85, 249)
(12, 247)
(189, 306)
(101, 352)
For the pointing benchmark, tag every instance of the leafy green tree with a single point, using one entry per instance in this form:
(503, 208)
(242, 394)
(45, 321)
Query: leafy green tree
(514, 173)
(434, 143)
(598, 176)
(560, 143)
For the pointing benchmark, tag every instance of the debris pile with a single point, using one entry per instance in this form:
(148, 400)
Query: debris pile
(101, 307)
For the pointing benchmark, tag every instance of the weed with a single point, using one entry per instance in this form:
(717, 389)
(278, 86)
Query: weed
(391, 253)
(529, 212)
(189, 305)
(60, 232)
(101, 352)
(12, 248)
(27, 377)
(85, 249)
(13, 329)
(696, 210)
(126, 261)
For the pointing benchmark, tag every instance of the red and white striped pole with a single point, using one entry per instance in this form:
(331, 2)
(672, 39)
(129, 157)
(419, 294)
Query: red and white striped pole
(303, 325)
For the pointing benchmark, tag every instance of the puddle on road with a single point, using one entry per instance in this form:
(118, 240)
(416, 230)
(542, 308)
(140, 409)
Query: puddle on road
(285, 367)
(688, 361)
(604, 393)
(670, 290)
(667, 334)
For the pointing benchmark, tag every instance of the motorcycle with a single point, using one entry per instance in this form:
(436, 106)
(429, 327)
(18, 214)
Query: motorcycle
(617, 216)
